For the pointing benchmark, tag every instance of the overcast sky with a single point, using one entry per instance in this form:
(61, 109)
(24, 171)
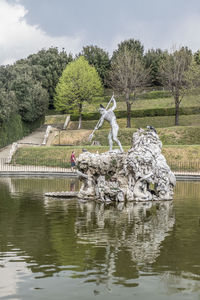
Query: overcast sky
(26, 26)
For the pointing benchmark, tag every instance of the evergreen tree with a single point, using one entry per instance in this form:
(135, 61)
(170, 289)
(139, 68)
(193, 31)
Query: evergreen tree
(153, 59)
(98, 58)
(48, 66)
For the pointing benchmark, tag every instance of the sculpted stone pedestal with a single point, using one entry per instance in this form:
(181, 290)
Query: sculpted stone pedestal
(141, 174)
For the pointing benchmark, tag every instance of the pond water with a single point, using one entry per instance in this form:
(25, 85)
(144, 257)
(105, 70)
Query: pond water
(65, 249)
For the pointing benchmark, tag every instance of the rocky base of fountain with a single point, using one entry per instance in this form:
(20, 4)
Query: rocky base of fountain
(141, 174)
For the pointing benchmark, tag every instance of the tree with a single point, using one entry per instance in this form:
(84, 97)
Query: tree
(153, 59)
(128, 75)
(8, 105)
(131, 45)
(47, 67)
(79, 83)
(197, 57)
(31, 98)
(98, 58)
(179, 73)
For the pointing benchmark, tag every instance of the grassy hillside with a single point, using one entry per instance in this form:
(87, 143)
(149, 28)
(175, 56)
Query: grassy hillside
(182, 135)
(188, 101)
(60, 156)
(157, 122)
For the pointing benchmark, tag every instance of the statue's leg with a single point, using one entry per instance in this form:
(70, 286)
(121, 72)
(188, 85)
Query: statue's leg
(110, 139)
(114, 134)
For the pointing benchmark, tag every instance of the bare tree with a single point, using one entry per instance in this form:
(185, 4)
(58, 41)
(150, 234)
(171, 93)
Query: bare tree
(179, 73)
(127, 76)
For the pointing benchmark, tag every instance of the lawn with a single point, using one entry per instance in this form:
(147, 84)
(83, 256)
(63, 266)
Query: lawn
(176, 156)
(157, 122)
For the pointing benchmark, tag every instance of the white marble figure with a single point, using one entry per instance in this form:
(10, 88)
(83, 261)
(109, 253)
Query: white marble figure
(109, 116)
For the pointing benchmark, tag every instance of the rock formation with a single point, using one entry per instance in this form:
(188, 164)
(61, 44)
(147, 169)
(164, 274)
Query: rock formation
(141, 174)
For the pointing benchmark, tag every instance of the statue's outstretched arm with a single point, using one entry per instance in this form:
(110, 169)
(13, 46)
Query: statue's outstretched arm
(114, 104)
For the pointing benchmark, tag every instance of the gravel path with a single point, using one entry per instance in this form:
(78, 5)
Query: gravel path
(35, 138)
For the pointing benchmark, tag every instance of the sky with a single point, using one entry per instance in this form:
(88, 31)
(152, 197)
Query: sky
(27, 26)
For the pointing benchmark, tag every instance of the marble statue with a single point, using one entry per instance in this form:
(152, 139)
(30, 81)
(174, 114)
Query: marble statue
(141, 174)
(109, 116)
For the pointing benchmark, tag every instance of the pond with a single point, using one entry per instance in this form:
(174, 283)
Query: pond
(66, 249)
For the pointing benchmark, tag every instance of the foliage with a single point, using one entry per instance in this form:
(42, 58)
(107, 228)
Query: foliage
(197, 57)
(8, 104)
(179, 73)
(98, 58)
(14, 129)
(127, 74)
(32, 98)
(23, 102)
(20, 82)
(11, 130)
(78, 83)
(48, 66)
(153, 59)
(168, 111)
(156, 122)
(130, 45)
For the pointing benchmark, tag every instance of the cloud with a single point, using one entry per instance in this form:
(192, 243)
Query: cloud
(186, 32)
(18, 39)
(182, 31)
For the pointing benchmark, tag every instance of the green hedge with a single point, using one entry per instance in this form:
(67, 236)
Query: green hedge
(14, 129)
(154, 95)
(142, 113)
(145, 95)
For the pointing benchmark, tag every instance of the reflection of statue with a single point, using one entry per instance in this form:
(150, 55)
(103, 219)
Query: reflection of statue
(138, 229)
(109, 116)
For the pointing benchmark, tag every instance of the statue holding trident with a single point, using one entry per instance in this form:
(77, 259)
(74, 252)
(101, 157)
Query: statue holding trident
(109, 116)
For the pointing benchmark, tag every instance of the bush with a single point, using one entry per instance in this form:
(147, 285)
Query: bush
(154, 95)
(14, 129)
(11, 130)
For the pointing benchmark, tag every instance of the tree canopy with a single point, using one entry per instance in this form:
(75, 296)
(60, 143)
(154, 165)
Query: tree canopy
(98, 58)
(128, 74)
(48, 66)
(79, 82)
(179, 73)
(22, 93)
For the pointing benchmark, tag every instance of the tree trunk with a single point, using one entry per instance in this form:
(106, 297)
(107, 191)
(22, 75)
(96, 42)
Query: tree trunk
(128, 105)
(80, 116)
(177, 110)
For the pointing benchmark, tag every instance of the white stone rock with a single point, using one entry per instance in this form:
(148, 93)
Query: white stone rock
(142, 174)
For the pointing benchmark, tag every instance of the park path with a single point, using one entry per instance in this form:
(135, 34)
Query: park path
(35, 138)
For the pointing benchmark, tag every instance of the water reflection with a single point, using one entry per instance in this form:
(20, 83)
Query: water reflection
(103, 247)
(140, 228)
